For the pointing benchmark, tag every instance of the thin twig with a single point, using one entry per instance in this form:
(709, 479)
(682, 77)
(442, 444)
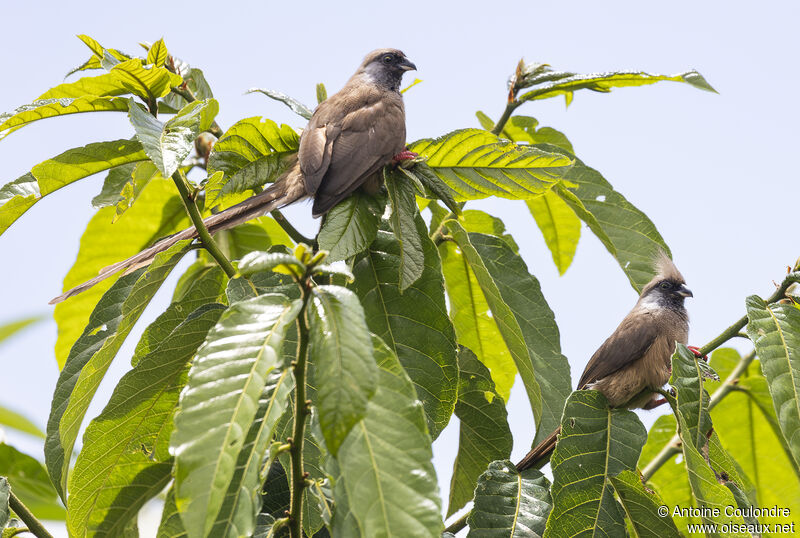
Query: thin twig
(510, 108)
(205, 238)
(290, 230)
(458, 524)
(35, 526)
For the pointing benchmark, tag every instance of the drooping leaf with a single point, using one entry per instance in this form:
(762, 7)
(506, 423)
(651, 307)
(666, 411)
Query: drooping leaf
(414, 323)
(242, 503)
(125, 459)
(158, 212)
(10, 328)
(350, 227)
(525, 321)
(775, 331)
(386, 482)
(49, 176)
(296, 106)
(560, 227)
(549, 83)
(115, 181)
(476, 164)
(422, 174)
(220, 401)
(19, 422)
(29, 481)
(625, 231)
(402, 222)
(484, 435)
(168, 144)
(50, 108)
(595, 444)
(510, 504)
(340, 348)
(642, 506)
(109, 324)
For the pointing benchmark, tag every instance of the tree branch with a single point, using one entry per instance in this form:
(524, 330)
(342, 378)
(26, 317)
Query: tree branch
(301, 410)
(290, 230)
(510, 108)
(205, 238)
(34, 525)
(458, 524)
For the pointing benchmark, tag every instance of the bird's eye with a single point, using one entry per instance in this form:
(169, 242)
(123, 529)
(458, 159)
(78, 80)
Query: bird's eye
(665, 285)
(388, 58)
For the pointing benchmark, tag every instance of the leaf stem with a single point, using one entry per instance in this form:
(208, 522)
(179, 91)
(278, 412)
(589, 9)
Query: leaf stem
(290, 230)
(205, 238)
(301, 410)
(510, 108)
(458, 524)
(35, 526)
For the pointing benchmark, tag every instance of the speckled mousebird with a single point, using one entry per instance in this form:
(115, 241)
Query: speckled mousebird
(635, 360)
(347, 141)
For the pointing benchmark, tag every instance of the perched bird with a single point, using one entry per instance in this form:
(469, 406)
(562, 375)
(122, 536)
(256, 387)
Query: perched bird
(635, 360)
(347, 141)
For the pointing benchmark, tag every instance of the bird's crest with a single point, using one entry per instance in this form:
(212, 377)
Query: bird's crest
(665, 269)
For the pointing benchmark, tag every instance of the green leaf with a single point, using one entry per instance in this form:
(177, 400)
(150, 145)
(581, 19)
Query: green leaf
(560, 227)
(19, 422)
(220, 401)
(29, 481)
(5, 493)
(509, 504)
(775, 332)
(114, 183)
(340, 348)
(422, 174)
(322, 93)
(98, 54)
(125, 459)
(149, 83)
(12, 327)
(157, 53)
(242, 503)
(49, 176)
(387, 483)
(158, 212)
(549, 83)
(105, 85)
(524, 129)
(168, 144)
(256, 262)
(50, 108)
(484, 435)
(595, 443)
(171, 525)
(195, 80)
(625, 231)
(641, 506)
(89, 359)
(414, 323)
(691, 411)
(254, 151)
(476, 164)
(252, 236)
(296, 106)
(402, 222)
(524, 320)
(350, 227)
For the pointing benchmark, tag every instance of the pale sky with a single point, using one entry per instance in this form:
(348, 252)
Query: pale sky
(713, 172)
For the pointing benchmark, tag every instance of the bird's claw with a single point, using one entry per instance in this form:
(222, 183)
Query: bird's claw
(696, 351)
(404, 155)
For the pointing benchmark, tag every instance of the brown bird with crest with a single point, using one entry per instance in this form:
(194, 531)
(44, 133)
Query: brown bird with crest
(347, 141)
(634, 361)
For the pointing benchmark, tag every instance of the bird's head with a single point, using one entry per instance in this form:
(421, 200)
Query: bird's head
(667, 288)
(386, 67)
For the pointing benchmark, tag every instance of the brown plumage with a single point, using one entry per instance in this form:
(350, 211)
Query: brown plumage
(347, 141)
(635, 360)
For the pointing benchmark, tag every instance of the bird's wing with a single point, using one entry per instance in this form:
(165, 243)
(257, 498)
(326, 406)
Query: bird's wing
(634, 336)
(339, 152)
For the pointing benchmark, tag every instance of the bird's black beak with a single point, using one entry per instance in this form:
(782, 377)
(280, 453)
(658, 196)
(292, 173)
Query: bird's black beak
(683, 291)
(406, 65)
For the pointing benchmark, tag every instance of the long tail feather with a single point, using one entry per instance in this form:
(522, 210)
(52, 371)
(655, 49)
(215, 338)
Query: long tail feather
(283, 192)
(540, 454)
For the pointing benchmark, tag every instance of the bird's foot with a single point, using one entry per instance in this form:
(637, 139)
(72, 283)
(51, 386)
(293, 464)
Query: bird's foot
(696, 351)
(404, 155)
